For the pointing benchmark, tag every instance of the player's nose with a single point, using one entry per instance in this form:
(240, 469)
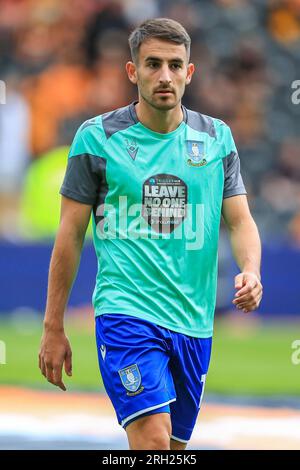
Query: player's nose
(165, 76)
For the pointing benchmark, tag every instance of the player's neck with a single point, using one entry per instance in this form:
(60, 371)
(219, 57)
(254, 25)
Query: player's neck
(156, 120)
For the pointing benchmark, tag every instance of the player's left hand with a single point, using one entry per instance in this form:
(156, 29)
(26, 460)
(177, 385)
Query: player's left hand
(249, 291)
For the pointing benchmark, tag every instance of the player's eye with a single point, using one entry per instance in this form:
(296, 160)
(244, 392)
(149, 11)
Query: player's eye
(153, 65)
(176, 66)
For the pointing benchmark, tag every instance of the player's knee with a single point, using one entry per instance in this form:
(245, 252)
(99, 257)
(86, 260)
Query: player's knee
(158, 434)
(159, 441)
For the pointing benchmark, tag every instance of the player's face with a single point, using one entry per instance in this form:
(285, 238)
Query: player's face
(161, 74)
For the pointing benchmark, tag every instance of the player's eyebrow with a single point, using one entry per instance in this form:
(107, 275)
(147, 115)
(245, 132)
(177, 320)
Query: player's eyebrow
(157, 59)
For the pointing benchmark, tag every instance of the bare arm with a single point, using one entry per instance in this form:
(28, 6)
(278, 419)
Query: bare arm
(246, 248)
(55, 348)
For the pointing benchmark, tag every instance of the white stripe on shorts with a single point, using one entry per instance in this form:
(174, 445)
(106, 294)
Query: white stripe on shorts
(138, 413)
(179, 440)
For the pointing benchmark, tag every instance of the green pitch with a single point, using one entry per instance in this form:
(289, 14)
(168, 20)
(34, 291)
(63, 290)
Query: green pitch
(250, 359)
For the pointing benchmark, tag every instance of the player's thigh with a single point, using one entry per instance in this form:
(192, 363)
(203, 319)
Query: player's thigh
(150, 432)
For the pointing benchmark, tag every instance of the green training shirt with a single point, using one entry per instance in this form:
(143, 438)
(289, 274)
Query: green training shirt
(157, 202)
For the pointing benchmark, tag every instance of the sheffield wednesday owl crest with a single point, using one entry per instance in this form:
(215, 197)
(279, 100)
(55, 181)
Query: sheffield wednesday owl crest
(196, 154)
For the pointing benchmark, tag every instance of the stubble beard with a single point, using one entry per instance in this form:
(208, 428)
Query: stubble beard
(160, 103)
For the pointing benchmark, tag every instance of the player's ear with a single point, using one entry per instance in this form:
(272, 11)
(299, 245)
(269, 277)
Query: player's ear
(131, 72)
(190, 71)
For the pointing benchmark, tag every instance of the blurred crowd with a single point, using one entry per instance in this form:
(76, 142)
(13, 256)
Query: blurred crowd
(63, 62)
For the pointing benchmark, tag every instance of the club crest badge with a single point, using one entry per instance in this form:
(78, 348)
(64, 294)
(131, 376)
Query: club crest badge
(195, 151)
(132, 148)
(130, 377)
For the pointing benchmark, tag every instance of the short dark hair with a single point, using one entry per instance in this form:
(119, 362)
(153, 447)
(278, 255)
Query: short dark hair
(160, 28)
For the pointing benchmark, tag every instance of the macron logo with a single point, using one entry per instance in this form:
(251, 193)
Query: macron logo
(103, 351)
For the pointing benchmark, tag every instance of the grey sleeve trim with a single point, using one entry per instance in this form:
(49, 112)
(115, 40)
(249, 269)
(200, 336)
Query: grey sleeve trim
(201, 122)
(237, 192)
(76, 196)
(84, 177)
(118, 120)
(233, 182)
(88, 123)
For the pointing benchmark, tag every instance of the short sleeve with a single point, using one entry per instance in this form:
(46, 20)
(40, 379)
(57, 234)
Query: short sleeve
(233, 181)
(84, 169)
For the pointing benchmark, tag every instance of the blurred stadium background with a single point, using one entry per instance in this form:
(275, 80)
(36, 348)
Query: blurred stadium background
(63, 62)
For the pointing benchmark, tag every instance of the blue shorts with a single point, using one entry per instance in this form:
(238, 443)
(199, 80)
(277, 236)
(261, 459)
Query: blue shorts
(147, 369)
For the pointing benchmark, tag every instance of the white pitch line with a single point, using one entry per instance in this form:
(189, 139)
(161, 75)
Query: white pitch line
(218, 432)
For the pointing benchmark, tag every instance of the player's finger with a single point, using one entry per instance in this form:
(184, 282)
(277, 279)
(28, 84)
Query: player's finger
(251, 295)
(243, 298)
(57, 372)
(68, 363)
(61, 385)
(246, 305)
(242, 306)
(250, 308)
(252, 305)
(43, 367)
(250, 284)
(49, 373)
(57, 377)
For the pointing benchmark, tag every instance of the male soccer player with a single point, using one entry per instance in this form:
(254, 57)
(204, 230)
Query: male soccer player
(156, 178)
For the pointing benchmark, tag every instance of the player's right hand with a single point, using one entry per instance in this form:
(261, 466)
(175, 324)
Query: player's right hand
(55, 350)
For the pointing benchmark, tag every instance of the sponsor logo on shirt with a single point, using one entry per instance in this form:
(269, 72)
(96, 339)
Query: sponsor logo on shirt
(164, 202)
